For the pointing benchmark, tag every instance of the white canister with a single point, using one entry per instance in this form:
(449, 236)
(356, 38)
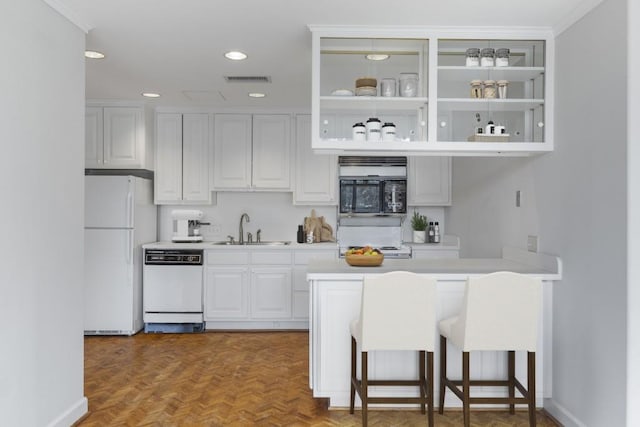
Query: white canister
(373, 129)
(359, 132)
(388, 132)
(388, 87)
(408, 84)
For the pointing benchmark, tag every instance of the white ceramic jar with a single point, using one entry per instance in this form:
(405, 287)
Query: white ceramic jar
(359, 132)
(388, 132)
(374, 128)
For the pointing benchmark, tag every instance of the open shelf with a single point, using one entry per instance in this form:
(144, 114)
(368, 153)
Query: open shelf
(474, 104)
(423, 148)
(372, 102)
(514, 74)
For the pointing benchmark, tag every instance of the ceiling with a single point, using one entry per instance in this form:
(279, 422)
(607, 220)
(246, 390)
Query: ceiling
(176, 47)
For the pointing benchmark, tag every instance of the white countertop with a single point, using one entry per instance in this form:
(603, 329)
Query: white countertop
(210, 245)
(546, 267)
(449, 244)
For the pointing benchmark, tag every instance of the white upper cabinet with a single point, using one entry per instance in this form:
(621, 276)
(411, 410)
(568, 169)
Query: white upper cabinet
(115, 138)
(428, 93)
(316, 174)
(252, 152)
(429, 181)
(182, 158)
(271, 153)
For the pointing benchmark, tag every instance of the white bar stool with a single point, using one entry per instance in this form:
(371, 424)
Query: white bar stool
(397, 312)
(500, 313)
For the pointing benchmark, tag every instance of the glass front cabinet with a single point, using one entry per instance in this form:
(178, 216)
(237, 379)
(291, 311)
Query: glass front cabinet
(424, 91)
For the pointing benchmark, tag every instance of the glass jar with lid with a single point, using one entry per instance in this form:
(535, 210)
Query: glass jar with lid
(502, 57)
(388, 87)
(476, 88)
(489, 89)
(502, 88)
(487, 57)
(408, 84)
(473, 57)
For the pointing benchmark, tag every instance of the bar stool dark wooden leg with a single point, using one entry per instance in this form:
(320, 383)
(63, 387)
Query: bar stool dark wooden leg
(531, 386)
(443, 371)
(422, 381)
(466, 389)
(353, 375)
(511, 368)
(365, 387)
(430, 386)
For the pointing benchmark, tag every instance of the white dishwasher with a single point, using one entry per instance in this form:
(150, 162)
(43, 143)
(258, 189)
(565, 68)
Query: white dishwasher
(172, 290)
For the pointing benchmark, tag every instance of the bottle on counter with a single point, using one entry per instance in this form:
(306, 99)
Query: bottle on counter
(436, 233)
(430, 232)
(300, 237)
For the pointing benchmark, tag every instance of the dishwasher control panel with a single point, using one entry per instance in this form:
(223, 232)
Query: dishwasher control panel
(173, 256)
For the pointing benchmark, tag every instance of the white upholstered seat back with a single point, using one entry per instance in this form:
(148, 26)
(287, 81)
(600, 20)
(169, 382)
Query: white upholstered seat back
(398, 312)
(500, 312)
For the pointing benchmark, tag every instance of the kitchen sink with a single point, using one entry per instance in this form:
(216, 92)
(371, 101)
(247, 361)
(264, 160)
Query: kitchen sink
(264, 243)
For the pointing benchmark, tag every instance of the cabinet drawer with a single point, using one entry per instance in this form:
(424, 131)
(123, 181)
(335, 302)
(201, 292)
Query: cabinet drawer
(227, 257)
(303, 257)
(271, 257)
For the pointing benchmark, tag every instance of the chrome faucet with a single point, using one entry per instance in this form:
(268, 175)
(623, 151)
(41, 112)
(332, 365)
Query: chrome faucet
(241, 231)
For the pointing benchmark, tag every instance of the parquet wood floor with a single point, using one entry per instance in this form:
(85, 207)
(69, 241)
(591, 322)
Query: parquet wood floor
(226, 379)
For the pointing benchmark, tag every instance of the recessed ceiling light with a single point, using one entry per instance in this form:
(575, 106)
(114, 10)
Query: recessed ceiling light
(377, 56)
(257, 95)
(151, 95)
(235, 55)
(93, 54)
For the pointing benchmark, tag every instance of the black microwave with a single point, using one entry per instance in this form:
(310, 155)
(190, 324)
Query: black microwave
(373, 185)
(378, 195)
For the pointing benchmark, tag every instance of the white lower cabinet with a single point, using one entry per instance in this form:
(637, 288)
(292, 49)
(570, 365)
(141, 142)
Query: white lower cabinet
(271, 293)
(300, 285)
(226, 293)
(259, 288)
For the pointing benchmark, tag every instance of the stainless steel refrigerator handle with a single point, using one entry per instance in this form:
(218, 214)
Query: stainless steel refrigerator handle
(130, 209)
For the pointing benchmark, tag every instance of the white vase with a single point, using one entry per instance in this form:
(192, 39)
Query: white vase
(419, 236)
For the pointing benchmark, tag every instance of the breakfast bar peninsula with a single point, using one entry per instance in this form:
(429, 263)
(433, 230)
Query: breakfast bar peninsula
(335, 291)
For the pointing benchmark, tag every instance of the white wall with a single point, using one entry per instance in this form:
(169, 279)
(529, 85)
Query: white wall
(273, 213)
(582, 208)
(633, 212)
(574, 200)
(41, 169)
(484, 212)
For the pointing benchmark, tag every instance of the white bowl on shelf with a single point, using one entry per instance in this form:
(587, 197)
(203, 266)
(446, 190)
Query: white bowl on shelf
(342, 92)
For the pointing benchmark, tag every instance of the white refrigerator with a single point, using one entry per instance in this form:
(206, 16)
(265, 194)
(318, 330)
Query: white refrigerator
(119, 218)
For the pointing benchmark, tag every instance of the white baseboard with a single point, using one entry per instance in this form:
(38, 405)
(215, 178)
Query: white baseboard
(72, 414)
(561, 414)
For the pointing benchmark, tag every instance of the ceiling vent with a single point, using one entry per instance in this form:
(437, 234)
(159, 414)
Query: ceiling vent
(247, 79)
